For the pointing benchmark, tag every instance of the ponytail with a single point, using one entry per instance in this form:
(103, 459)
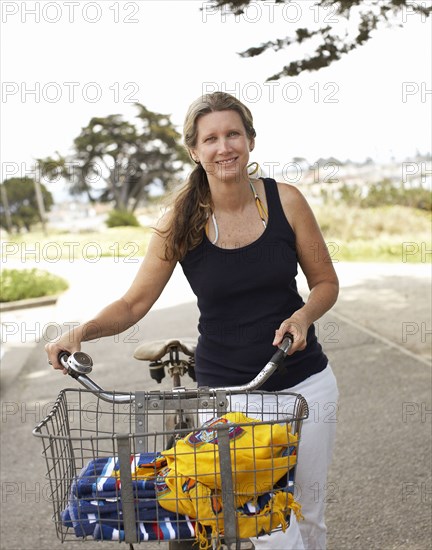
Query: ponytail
(191, 209)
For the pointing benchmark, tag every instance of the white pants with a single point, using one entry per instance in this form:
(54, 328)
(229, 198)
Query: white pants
(314, 457)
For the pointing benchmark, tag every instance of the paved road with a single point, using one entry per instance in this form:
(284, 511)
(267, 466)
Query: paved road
(379, 490)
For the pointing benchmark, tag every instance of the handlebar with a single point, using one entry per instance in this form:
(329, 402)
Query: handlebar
(80, 364)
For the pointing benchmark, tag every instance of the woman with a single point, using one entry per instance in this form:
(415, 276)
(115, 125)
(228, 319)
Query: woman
(239, 241)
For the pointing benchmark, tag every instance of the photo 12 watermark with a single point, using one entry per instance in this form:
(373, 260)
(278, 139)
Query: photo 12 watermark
(416, 170)
(70, 12)
(416, 330)
(290, 92)
(69, 92)
(35, 332)
(79, 413)
(270, 12)
(302, 13)
(69, 251)
(416, 92)
(294, 172)
(416, 492)
(416, 412)
(325, 413)
(93, 173)
(320, 492)
(25, 492)
(410, 251)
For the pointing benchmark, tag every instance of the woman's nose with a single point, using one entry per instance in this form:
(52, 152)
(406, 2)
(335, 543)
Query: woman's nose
(224, 146)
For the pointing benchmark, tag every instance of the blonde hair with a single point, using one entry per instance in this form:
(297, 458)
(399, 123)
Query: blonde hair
(193, 203)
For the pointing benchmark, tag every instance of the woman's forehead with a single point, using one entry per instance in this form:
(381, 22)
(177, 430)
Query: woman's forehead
(218, 120)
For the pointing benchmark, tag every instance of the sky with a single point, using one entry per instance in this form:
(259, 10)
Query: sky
(64, 62)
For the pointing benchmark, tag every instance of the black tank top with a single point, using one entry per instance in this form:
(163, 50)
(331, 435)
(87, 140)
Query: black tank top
(243, 296)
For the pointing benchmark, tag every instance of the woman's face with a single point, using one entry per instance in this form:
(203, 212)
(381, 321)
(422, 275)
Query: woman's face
(222, 145)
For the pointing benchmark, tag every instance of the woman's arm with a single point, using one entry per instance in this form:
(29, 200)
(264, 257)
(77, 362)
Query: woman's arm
(152, 276)
(316, 263)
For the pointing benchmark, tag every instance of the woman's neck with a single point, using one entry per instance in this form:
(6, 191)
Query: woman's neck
(231, 196)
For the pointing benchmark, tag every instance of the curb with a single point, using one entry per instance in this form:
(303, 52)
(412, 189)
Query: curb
(32, 302)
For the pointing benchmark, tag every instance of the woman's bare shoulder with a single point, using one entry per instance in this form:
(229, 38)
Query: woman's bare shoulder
(292, 199)
(289, 192)
(295, 206)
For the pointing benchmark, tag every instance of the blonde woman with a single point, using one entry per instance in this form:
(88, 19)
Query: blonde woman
(240, 241)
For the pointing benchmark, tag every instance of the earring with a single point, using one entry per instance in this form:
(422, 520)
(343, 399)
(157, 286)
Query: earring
(253, 167)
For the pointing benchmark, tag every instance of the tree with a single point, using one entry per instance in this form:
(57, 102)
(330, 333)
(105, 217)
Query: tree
(115, 160)
(370, 15)
(22, 202)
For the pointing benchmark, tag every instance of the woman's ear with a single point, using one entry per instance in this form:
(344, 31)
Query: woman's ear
(193, 156)
(252, 145)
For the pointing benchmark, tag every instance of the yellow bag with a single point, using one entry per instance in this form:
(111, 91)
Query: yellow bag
(261, 454)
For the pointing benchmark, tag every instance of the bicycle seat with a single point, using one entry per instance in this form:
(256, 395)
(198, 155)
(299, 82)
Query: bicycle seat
(156, 349)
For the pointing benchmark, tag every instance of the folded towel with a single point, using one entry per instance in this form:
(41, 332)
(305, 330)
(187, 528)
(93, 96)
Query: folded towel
(101, 477)
(95, 507)
(165, 528)
(103, 520)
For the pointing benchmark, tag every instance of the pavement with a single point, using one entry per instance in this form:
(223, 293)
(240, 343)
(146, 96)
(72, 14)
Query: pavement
(377, 337)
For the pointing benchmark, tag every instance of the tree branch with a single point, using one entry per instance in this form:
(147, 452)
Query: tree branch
(333, 47)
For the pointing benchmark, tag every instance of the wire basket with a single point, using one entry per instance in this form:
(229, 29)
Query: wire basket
(112, 477)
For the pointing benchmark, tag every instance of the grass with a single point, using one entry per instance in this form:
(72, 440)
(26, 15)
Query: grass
(382, 234)
(22, 284)
(116, 242)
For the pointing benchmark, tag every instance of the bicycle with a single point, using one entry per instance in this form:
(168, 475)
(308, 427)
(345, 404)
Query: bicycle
(81, 435)
(165, 355)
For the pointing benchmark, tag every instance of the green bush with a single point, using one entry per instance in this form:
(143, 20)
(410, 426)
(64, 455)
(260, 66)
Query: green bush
(386, 192)
(21, 284)
(121, 218)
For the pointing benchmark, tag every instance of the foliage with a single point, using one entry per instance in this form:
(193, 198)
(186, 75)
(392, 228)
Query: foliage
(381, 234)
(371, 15)
(21, 284)
(21, 198)
(121, 218)
(352, 233)
(387, 192)
(115, 160)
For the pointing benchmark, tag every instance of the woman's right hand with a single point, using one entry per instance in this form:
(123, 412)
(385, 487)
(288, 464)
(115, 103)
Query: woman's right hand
(64, 343)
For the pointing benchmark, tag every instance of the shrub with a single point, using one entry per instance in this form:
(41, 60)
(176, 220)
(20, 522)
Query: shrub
(386, 192)
(21, 284)
(121, 218)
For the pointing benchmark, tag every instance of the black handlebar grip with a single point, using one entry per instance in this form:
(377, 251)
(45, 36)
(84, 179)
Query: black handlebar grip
(278, 358)
(282, 351)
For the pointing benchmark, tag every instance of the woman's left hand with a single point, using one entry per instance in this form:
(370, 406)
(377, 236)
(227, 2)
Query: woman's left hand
(298, 328)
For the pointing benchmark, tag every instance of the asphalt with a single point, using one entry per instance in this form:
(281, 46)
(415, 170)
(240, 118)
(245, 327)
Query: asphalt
(377, 338)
